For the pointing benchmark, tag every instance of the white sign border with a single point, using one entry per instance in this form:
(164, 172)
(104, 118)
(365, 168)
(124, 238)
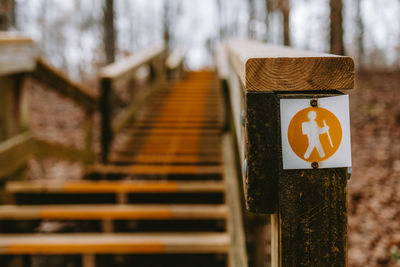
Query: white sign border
(338, 105)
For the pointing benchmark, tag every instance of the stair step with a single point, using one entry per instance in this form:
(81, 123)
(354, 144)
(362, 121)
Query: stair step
(165, 159)
(115, 243)
(152, 170)
(113, 212)
(131, 186)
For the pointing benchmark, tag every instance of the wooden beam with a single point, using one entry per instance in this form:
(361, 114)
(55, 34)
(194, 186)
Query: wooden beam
(14, 153)
(175, 59)
(45, 149)
(117, 243)
(62, 85)
(17, 53)
(238, 253)
(114, 212)
(143, 169)
(132, 186)
(126, 67)
(221, 58)
(264, 67)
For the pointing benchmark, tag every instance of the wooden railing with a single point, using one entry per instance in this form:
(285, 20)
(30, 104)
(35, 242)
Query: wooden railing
(18, 145)
(18, 62)
(307, 206)
(120, 73)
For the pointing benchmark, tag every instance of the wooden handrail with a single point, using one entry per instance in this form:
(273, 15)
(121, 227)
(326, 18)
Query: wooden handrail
(46, 149)
(14, 153)
(125, 67)
(61, 84)
(118, 73)
(264, 67)
(175, 59)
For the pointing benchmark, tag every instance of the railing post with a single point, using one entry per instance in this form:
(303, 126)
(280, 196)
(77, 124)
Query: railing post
(105, 110)
(307, 201)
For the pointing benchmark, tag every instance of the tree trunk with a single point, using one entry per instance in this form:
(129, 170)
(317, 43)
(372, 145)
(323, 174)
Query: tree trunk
(221, 24)
(285, 9)
(167, 23)
(267, 12)
(7, 14)
(336, 34)
(252, 17)
(360, 34)
(109, 33)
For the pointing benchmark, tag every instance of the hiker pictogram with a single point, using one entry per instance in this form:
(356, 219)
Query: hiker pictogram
(314, 134)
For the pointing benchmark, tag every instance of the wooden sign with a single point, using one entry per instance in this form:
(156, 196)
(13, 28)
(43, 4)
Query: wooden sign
(315, 133)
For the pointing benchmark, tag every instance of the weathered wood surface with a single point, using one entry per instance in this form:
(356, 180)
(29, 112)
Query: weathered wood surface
(126, 67)
(238, 253)
(261, 148)
(143, 169)
(312, 224)
(121, 243)
(45, 149)
(62, 85)
(175, 59)
(17, 53)
(222, 64)
(114, 212)
(14, 153)
(264, 67)
(89, 187)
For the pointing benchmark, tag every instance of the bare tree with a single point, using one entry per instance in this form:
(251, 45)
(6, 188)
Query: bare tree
(222, 27)
(167, 23)
(267, 12)
(336, 33)
(7, 14)
(282, 6)
(285, 9)
(109, 33)
(251, 31)
(360, 33)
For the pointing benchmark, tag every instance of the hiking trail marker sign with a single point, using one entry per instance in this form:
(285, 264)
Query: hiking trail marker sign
(315, 132)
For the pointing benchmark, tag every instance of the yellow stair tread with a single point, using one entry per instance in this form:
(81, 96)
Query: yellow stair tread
(128, 186)
(148, 169)
(113, 212)
(130, 243)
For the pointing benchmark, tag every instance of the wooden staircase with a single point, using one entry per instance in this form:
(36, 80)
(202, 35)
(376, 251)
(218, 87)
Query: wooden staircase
(161, 199)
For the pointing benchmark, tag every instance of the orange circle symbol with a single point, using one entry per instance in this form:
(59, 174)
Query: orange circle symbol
(314, 134)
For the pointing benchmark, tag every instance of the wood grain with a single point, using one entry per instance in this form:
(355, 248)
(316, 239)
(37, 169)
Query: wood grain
(61, 84)
(264, 67)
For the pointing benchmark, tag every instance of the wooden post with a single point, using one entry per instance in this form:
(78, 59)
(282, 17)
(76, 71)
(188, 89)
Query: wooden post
(105, 109)
(111, 76)
(88, 132)
(308, 206)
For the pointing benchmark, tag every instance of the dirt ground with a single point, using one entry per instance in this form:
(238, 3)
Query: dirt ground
(374, 188)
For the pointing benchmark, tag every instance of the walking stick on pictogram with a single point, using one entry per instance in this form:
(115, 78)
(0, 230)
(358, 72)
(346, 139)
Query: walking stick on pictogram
(329, 136)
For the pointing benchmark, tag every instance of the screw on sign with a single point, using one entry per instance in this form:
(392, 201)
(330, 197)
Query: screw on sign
(317, 135)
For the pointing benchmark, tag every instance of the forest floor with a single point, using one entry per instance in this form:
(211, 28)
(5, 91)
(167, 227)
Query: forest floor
(374, 187)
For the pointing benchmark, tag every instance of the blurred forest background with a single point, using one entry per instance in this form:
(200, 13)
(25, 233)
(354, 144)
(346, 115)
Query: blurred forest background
(80, 36)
